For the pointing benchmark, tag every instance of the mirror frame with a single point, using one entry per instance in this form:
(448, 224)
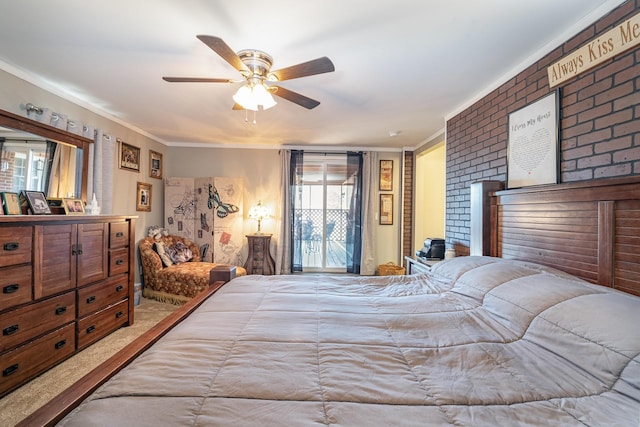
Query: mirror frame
(25, 124)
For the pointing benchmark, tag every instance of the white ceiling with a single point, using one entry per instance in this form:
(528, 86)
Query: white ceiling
(401, 65)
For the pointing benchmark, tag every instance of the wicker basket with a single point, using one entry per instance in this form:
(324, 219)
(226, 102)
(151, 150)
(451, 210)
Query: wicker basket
(390, 269)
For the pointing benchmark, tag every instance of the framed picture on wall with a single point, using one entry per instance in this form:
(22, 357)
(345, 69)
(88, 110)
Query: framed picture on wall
(143, 197)
(532, 150)
(386, 209)
(386, 175)
(129, 157)
(155, 164)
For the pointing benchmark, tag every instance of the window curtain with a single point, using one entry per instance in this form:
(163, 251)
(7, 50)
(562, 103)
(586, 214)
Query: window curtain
(369, 207)
(295, 180)
(102, 155)
(62, 170)
(354, 216)
(283, 249)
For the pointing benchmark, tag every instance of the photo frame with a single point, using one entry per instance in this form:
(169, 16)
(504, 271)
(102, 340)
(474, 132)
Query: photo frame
(155, 164)
(11, 203)
(37, 202)
(386, 209)
(73, 206)
(386, 175)
(143, 197)
(129, 156)
(532, 149)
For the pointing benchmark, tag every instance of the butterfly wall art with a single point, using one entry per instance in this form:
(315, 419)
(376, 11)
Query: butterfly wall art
(222, 209)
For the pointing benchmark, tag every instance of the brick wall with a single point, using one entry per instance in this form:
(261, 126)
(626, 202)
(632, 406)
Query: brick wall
(599, 124)
(407, 209)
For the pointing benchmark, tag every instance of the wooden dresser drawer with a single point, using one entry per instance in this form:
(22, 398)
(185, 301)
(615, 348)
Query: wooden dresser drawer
(118, 261)
(15, 245)
(118, 235)
(100, 295)
(96, 326)
(25, 323)
(35, 357)
(15, 286)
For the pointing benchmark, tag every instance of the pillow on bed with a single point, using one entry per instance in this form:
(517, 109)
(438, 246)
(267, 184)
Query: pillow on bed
(162, 253)
(179, 253)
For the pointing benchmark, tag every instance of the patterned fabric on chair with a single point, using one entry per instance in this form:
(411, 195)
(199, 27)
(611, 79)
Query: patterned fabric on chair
(176, 283)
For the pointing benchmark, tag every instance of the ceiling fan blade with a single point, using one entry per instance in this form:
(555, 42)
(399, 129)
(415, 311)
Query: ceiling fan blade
(295, 97)
(310, 68)
(196, 80)
(237, 106)
(222, 49)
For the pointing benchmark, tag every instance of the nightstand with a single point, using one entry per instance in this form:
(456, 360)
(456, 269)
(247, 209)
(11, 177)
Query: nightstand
(259, 260)
(416, 265)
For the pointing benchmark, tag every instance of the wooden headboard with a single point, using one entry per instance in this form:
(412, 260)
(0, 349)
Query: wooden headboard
(588, 229)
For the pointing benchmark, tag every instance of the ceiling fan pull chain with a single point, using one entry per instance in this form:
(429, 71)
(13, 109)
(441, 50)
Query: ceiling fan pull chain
(254, 118)
(246, 116)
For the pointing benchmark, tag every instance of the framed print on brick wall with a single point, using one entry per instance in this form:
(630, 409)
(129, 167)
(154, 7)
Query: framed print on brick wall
(532, 149)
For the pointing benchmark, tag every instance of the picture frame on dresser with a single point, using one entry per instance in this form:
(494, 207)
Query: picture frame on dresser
(73, 207)
(37, 202)
(11, 203)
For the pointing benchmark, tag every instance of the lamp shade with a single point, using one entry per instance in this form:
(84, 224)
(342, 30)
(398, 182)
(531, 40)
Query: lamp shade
(261, 96)
(258, 212)
(244, 97)
(251, 97)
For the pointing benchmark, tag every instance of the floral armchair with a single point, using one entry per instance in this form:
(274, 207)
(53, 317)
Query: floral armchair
(174, 282)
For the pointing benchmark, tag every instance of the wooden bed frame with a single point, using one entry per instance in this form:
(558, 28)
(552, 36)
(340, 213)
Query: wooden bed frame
(591, 230)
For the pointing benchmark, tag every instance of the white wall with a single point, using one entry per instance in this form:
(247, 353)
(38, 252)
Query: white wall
(15, 93)
(260, 171)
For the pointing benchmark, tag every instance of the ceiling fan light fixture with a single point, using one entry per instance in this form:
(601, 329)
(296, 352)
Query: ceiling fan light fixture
(251, 97)
(262, 97)
(244, 97)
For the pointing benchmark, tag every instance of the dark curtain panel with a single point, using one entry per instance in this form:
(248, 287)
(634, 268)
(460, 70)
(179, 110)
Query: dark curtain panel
(295, 182)
(46, 173)
(354, 219)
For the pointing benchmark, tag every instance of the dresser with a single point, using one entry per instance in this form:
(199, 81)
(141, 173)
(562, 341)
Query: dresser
(259, 260)
(417, 265)
(65, 283)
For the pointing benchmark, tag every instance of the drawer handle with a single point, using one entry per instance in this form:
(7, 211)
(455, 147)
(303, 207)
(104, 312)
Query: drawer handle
(9, 289)
(10, 330)
(10, 370)
(11, 246)
(119, 288)
(119, 234)
(119, 314)
(91, 329)
(60, 344)
(119, 262)
(91, 299)
(61, 310)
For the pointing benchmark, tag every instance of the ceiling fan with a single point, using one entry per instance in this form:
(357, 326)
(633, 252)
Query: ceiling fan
(255, 67)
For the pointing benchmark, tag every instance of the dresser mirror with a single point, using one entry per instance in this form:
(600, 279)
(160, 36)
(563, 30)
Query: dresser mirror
(39, 157)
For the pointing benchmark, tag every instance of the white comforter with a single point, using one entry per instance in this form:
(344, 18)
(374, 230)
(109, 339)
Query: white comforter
(477, 342)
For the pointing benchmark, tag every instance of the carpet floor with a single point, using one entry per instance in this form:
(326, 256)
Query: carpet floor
(17, 405)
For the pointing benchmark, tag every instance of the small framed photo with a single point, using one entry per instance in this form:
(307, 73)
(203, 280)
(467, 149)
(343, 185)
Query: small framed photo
(386, 175)
(129, 157)
(155, 164)
(73, 206)
(386, 209)
(143, 197)
(11, 203)
(37, 202)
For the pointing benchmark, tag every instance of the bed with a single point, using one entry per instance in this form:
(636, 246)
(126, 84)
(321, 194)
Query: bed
(478, 340)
